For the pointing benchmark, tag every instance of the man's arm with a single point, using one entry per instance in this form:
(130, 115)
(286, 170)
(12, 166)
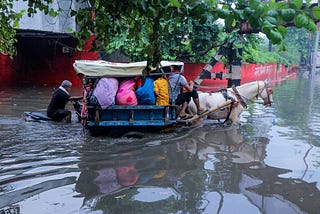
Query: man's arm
(189, 86)
(75, 98)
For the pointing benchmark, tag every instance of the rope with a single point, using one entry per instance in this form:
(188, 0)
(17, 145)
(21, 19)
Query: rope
(242, 102)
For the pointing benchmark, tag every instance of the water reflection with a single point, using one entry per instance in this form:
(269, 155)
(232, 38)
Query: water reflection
(298, 128)
(267, 190)
(269, 164)
(298, 108)
(177, 176)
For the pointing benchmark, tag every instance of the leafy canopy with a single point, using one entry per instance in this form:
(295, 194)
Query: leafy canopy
(157, 29)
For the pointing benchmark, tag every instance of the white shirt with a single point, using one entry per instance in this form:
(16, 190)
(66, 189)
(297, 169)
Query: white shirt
(63, 89)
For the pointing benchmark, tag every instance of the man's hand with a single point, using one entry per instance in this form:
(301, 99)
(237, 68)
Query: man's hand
(75, 98)
(189, 86)
(191, 83)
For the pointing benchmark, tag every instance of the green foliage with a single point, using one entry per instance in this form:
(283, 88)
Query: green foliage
(255, 52)
(287, 14)
(7, 33)
(150, 30)
(296, 43)
(261, 57)
(174, 29)
(316, 12)
(9, 21)
(169, 29)
(191, 42)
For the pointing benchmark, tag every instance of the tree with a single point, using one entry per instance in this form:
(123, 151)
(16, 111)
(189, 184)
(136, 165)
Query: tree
(299, 43)
(8, 22)
(151, 29)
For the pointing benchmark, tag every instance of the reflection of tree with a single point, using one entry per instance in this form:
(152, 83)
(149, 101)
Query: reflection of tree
(245, 159)
(15, 209)
(292, 100)
(295, 194)
(180, 164)
(21, 194)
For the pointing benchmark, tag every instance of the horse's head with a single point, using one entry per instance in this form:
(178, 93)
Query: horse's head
(265, 93)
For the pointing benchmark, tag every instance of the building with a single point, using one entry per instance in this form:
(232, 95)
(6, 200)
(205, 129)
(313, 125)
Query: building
(46, 48)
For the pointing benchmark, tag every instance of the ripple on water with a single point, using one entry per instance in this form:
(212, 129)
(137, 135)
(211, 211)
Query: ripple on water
(314, 124)
(53, 167)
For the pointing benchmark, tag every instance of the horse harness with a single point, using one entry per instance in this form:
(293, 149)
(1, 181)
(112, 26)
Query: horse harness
(269, 92)
(267, 100)
(240, 98)
(224, 93)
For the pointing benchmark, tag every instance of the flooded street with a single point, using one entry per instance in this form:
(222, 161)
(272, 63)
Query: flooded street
(269, 164)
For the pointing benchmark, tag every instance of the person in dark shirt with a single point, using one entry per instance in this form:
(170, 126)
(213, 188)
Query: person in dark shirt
(56, 109)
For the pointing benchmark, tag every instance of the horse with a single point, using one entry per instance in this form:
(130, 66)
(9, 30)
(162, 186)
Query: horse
(239, 95)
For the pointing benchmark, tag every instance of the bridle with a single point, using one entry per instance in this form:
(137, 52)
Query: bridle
(267, 100)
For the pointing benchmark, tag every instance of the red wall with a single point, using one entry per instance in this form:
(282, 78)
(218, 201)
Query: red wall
(249, 73)
(42, 61)
(192, 70)
(5, 69)
(37, 64)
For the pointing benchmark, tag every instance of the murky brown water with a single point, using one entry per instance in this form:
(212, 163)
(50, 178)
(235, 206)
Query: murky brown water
(269, 164)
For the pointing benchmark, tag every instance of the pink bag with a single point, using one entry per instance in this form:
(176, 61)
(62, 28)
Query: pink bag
(105, 91)
(126, 95)
(106, 180)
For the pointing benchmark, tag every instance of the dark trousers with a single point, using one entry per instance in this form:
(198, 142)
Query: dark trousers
(186, 97)
(60, 114)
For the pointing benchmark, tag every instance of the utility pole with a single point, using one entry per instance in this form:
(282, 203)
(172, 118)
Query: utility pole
(315, 53)
(270, 46)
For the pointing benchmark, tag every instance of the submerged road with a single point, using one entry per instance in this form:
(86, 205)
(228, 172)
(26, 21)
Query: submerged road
(268, 164)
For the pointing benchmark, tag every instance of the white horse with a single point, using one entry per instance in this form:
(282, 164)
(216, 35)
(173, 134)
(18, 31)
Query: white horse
(240, 96)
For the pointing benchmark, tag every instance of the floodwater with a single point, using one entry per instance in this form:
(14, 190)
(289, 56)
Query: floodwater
(268, 164)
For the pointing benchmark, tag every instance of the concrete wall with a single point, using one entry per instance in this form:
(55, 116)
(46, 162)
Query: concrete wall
(42, 22)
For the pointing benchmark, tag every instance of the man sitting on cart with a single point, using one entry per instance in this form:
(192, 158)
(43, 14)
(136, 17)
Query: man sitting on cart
(182, 92)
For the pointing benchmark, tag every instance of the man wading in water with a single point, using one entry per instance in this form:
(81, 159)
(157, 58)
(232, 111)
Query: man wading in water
(56, 109)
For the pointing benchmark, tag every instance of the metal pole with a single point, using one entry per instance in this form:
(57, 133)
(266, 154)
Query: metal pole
(270, 46)
(308, 60)
(314, 60)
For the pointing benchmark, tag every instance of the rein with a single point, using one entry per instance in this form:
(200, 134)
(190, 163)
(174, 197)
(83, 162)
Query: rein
(259, 93)
(234, 95)
(239, 97)
(269, 92)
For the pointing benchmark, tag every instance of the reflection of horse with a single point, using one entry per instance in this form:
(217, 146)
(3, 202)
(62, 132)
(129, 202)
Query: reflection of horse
(240, 94)
(228, 143)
